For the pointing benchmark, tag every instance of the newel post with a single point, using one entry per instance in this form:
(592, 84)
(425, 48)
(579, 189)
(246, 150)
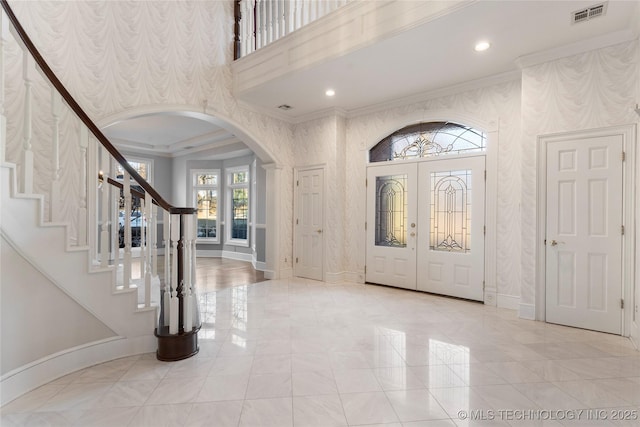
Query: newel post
(179, 321)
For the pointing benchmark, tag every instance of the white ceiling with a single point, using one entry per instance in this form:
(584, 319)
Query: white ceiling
(174, 135)
(436, 55)
(440, 54)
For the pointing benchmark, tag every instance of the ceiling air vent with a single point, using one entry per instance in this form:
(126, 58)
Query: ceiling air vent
(588, 13)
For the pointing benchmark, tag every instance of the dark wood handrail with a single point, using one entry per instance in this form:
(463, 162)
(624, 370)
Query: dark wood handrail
(133, 191)
(71, 102)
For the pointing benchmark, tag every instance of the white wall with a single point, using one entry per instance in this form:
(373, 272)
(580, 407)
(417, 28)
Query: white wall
(120, 58)
(498, 106)
(39, 319)
(590, 90)
(321, 142)
(138, 57)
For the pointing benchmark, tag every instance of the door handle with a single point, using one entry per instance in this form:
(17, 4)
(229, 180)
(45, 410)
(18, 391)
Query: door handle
(319, 231)
(554, 243)
(412, 234)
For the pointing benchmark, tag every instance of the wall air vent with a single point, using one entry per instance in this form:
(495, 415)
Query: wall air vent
(588, 13)
(285, 107)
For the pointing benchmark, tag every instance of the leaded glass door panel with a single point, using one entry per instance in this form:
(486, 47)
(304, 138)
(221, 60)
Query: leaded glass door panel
(391, 225)
(450, 245)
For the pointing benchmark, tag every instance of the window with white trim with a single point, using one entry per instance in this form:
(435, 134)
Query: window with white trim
(205, 196)
(238, 206)
(135, 217)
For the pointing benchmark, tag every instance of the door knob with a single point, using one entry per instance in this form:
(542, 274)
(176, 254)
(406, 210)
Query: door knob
(319, 231)
(413, 225)
(554, 243)
(412, 234)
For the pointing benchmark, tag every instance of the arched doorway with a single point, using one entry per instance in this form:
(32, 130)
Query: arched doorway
(426, 210)
(207, 138)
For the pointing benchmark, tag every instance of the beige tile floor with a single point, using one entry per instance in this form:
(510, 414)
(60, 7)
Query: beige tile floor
(303, 353)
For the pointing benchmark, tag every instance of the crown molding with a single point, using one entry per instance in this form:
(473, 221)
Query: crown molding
(576, 48)
(437, 93)
(258, 109)
(321, 114)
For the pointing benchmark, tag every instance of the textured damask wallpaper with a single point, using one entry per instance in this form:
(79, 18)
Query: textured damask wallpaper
(590, 90)
(498, 105)
(125, 56)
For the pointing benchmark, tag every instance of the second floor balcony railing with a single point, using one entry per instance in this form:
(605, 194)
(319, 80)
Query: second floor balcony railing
(260, 22)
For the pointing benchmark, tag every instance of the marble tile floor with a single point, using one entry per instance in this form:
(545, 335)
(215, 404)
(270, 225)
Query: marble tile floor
(298, 352)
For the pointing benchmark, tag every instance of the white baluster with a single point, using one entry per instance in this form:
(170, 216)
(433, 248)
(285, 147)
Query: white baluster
(82, 210)
(250, 35)
(268, 16)
(4, 36)
(166, 236)
(154, 240)
(173, 306)
(187, 304)
(142, 236)
(55, 199)
(147, 263)
(28, 71)
(287, 18)
(194, 256)
(104, 209)
(115, 228)
(126, 270)
(259, 4)
(297, 14)
(304, 11)
(244, 17)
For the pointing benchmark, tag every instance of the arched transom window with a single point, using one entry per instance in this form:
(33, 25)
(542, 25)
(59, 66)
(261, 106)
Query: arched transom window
(427, 140)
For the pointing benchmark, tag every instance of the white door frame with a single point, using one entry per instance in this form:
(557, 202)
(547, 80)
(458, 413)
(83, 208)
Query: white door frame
(296, 173)
(628, 133)
(491, 130)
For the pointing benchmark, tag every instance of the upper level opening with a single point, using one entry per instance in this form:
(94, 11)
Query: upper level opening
(428, 139)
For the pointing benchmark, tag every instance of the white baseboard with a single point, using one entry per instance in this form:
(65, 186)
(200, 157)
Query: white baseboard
(269, 274)
(527, 311)
(239, 256)
(35, 374)
(490, 296)
(286, 273)
(259, 265)
(206, 253)
(344, 276)
(633, 336)
(334, 277)
(508, 301)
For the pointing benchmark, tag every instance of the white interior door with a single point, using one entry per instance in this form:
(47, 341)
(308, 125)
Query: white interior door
(451, 227)
(391, 225)
(309, 224)
(584, 241)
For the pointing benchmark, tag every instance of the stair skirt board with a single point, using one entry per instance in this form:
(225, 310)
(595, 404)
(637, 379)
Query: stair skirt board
(35, 374)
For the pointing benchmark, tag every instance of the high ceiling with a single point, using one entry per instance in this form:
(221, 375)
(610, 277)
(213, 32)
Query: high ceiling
(438, 54)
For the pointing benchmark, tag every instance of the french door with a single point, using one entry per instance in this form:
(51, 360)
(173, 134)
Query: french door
(425, 226)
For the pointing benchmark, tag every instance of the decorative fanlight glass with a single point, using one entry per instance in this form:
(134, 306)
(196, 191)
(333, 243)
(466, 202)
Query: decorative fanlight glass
(427, 140)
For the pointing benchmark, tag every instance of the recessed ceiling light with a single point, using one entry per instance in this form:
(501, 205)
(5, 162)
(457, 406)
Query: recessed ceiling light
(330, 92)
(482, 46)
